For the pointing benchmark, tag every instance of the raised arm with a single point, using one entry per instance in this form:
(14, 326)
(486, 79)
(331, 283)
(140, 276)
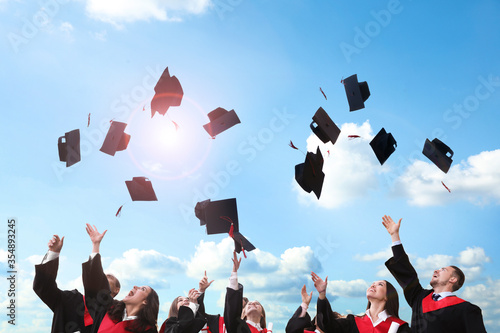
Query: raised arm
(234, 299)
(44, 284)
(300, 319)
(95, 237)
(392, 227)
(320, 285)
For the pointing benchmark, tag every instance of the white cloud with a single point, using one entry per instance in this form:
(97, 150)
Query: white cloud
(353, 288)
(66, 27)
(381, 255)
(487, 297)
(122, 11)
(100, 36)
(350, 168)
(143, 267)
(473, 256)
(476, 180)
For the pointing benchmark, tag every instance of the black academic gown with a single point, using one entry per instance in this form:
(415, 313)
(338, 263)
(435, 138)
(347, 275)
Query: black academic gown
(185, 322)
(459, 318)
(328, 323)
(213, 321)
(67, 305)
(298, 324)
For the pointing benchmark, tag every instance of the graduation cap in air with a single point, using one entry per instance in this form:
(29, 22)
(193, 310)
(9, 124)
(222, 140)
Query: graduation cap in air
(438, 152)
(116, 139)
(326, 129)
(383, 145)
(221, 217)
(357, 92)
(220, 120)
(69, 147)
(168, 92)
(309, 175)
(141, 189)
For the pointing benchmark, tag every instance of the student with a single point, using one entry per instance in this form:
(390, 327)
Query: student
(381, 314)
(137, 312)
(68, 306)
(183, 316)
(254, 320)
(437, 309)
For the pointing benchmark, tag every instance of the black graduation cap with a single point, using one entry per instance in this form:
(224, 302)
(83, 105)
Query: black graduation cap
(168, 92)
(309, 175)
(357, 92)
(218, 215)
(69, 150)
(141, 189)
(438, 152)
(220, 120)
(199, 211)
(241, 243)
(116, 139)
(383, 145)
(326, 129)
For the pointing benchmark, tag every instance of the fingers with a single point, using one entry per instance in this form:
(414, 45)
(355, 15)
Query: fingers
(104, 233)
(210, 283)
(62, 240)
(326, 279)
(206, 274)
(401, 219)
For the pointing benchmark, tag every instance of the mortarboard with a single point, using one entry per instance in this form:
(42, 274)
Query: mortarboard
(357, 92)
(383, 145)
(218, 215)
(326, 129)
(116, 139)
(220, 120)
(69, 150)
(199, 211)
(438, 152)
(168, 92)
(309, 175)
(141, 189)
(241, 243)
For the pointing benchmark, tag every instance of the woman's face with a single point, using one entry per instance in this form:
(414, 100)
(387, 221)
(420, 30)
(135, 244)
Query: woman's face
(377, 291)
(137, 295)
(253, 306)
(182, 301)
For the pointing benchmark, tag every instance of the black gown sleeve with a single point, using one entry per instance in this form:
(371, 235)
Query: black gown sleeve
(186, 322)
(402, 270)
(405, 328)
(211, 320)
(297, 324)
(328, 323)
(232, 311)
(45, 285)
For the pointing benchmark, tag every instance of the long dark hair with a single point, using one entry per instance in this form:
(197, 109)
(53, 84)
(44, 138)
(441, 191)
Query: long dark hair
(174, 312)
(392, 303)
(146, 317)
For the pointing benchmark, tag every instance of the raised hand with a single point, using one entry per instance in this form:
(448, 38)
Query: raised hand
(204, 284)
(95, 237)
(319, 283)
(193, 296)
(392, 227)
(56, 244)
(236, 262)
(306, 298)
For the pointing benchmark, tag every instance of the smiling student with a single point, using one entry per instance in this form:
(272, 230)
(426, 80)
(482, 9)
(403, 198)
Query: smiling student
(381, 314)
(435, 310)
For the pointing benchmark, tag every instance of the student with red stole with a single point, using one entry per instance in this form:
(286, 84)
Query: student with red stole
(136, 313)
(381, 314)
(435, 310)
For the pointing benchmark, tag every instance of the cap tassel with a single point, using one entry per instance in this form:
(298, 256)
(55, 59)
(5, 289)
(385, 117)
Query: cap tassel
(231, 231)
(88, 122)
(446, 187)
(293, 146)
(353, 137)
(243, 249)
(119, 212)
(323, 92)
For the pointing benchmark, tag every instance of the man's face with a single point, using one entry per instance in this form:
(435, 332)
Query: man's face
(442, 276)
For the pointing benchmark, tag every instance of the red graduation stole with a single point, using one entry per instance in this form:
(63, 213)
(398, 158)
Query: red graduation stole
(365, 324)
(222, 328)
(428, 304)
(87, 319)
(307, 331)
(253, 329)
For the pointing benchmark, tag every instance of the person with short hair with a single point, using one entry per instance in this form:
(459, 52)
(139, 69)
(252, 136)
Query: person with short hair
(435, 310)
(69, 306)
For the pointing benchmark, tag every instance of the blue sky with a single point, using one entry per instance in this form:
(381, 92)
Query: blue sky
(432, 70)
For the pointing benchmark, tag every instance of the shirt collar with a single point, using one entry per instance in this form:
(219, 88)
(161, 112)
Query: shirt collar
(444, 294)
(125, 317)
(382, 316)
